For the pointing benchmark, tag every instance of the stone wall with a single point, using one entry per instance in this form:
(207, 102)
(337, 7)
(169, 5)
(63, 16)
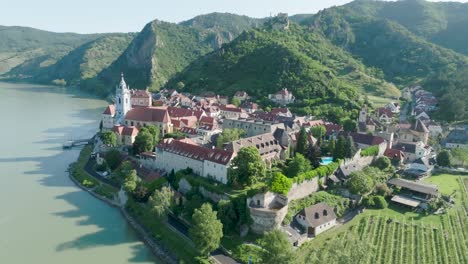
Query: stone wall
(185, 186)
(304, 189)
(265, 219)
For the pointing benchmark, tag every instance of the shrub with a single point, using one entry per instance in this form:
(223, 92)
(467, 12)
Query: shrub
(370, 151)
(280, 183)
(380, 202)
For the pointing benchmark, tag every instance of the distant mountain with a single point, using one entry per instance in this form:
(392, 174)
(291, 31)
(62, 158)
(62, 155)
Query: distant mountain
(162, 49)
(403, 56)
(37, 48)
(443, 23)
(82, 63)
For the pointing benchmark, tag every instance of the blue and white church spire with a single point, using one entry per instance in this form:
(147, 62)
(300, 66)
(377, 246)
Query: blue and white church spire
(122, 101)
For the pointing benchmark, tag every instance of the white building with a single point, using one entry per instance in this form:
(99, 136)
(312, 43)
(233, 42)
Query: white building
(178, 155)
(317, 218)
(282, 97)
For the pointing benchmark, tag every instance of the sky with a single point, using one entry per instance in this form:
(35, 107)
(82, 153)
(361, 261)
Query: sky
(98, 16)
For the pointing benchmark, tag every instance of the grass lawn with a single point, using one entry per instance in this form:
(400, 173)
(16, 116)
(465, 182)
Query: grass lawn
(378, 101)
(447, 183)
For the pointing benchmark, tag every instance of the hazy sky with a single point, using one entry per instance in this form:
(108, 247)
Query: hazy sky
(88, 16)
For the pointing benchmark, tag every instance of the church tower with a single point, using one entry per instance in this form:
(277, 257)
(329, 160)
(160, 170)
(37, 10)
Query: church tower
(122, 101)
(363, 115)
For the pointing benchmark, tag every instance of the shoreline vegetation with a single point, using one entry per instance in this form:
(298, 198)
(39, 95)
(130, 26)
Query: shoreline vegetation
(88, 183)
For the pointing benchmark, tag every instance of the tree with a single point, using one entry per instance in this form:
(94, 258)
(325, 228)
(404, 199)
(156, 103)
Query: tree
(349, 125)
(235, 101)
(206, 231)
(276, 248)
(161, 201)
(141, 193)
(340, 149)
(144, 141)
(131, 182)
(113, 158)
(349, 148)
(280, 183)
(360, 183)
(247, 167)
(314, 155)
(229, 135)
(318, 131)
(108, 138)
(154, 131)
(444, 158)
(460, 155)
(380, 202)
(302, 141)
(227, 215)
(298, 165)
(383, 163)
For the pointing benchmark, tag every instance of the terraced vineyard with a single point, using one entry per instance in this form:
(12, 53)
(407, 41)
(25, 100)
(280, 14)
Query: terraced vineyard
(391, 239)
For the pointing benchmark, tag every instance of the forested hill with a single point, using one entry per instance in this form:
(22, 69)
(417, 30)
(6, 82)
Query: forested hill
(22, 44)
(162, 49)
(264, 60)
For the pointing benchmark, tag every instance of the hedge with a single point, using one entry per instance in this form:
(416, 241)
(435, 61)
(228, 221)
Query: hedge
(370, 151)
(321, 171)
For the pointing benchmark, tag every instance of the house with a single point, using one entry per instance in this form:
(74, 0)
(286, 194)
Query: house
(395, 155)
(457, 138)
(385, 115)
(107, 118)
(423, 116)
(143, 116)
(141, 98)
(364, 140)
(419, 168)
(282, 97)
(249, 107)
(413, 150)
(241, 96)
(177, 155)
(267, 145)
(281, 111)
(316, 218)
(434, 129)
(231, 111)
(125, 135)
(413, 194)
(417, 132)
(393, 107)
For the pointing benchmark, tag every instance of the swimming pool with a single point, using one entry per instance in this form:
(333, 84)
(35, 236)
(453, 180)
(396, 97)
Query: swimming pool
(326, 160)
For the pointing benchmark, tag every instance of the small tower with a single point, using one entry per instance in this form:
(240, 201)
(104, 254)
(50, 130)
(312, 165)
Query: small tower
(122, 101)
(363, 115)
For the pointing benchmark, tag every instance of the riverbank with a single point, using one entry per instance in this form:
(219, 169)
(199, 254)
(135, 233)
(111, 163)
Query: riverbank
(77, 168)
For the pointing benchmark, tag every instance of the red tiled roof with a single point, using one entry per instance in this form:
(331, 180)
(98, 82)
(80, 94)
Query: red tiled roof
(188, 130)
(149, 114)
(277, 111)
(207, 120)
(117, 129)
(366, 139)
(140, 94)
(394, 154)
(110, 110)
(183, 112)
(331, 128)
(315, 123)
(385, 111)
(196, 152)
(229, 108)
(130, 131)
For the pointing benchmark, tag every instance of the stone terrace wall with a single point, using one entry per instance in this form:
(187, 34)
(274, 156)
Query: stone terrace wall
(304, 189)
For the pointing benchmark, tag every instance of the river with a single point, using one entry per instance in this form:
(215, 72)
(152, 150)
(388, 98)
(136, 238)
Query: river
(44, 217)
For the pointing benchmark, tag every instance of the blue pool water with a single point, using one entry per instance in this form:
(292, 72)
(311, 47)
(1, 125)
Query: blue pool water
(326, 160)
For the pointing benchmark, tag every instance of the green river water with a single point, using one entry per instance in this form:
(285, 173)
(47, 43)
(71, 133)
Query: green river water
(44, 217)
